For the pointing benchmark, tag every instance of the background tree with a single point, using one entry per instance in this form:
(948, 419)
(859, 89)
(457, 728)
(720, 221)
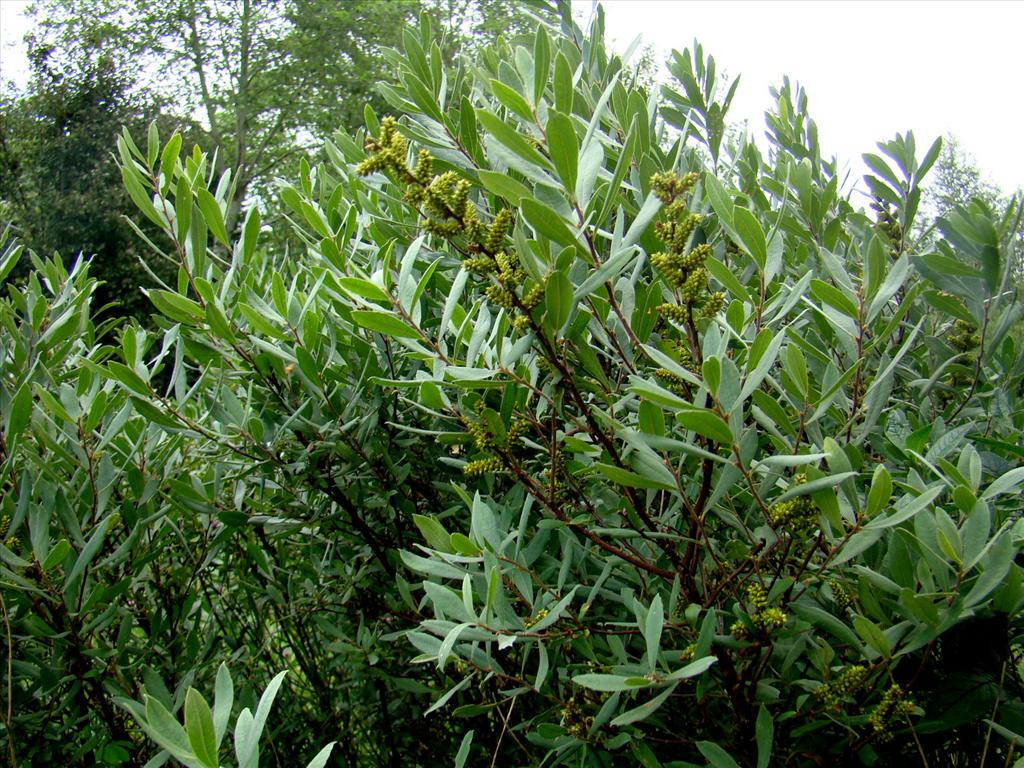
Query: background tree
(958, 181)
(59, 186)
(265, 75)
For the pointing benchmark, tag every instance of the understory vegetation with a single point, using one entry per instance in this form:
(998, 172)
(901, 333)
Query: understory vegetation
(551, 423)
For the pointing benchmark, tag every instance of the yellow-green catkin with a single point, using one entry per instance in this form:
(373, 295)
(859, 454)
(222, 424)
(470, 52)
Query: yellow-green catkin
(449, 213)
(842, 688)
(964, 338)
(682, 270)
(673, 382)
(797, 515)
(841, 594)
(482, 467)
(887, 223)
(893, 707)
(764, 616)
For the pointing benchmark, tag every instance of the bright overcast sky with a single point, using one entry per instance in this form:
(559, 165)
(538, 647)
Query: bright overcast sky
(870, 68)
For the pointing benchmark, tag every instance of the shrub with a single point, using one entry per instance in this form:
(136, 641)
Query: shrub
(653, 448)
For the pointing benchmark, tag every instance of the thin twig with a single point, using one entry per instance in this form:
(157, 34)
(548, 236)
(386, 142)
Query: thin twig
(504, 727)
(10, 683)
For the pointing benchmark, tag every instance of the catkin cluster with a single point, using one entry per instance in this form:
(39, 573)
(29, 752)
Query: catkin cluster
(683, 270)
(841, 594)
(964, 338)
(763, 615)
(842, 688)
(489, 444)
(798, 515)
(888, 224)
(448, 212)
(893, 707)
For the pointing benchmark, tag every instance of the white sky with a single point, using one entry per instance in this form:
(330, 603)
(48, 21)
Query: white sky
(870, 68)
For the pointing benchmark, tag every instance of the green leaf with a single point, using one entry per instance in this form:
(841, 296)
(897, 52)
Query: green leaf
(218, 323)
(178, 308)
(21, 411)
(643, 711)
(996, 563)
(152, 143)
(86, 556)
(881, 491)
(652, 631)
(248, 749)
(716, 756)
(364, 289)
(872, 635)
(893, 282)
(764, 734)
(223, 698)
(250, 233)
(385, 323)
(630, 479)
(10, 261)
(448, 694)
(448, 644)
(564, 149)
(211, 212)
(643, 219)
(434, 533)
(137, 192)
(546, 222)
(608, 271)
(434, 567)
(795, 364)
(169, 157)
(321, 757)
(562, 84)
(825, 620)
(558, 301)
(504, 186)
(721, 201)
(541, 63)
(656, 394)
(463, 754)
(510, 138)
(812, 486)
(555, 612)
(763, 353)
(199, 727)
(905, 511)
(1005, 483)
(829, 294)
(751, 236)
(56, 555)
(166, 731)
(610, 683)
(705, 423)
(694, 668)
(512, 100)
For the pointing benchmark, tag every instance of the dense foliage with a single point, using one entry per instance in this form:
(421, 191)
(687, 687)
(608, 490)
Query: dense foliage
(224, 74)
(577, 432)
